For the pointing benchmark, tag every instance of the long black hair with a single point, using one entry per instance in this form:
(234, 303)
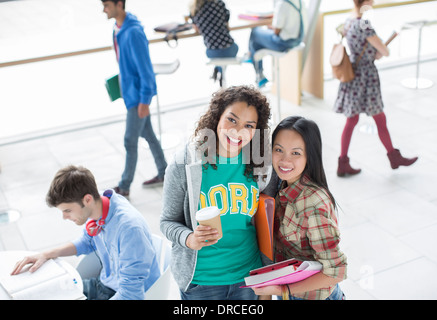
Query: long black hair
(310, 134)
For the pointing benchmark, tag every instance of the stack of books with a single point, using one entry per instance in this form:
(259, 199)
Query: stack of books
(284, 272)
(50, 282)
(256, 15)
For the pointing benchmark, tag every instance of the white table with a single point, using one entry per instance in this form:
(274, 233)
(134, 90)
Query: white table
(418, 82)
(8, 259)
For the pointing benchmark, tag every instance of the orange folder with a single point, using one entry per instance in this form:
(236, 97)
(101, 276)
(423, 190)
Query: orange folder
(264, 224)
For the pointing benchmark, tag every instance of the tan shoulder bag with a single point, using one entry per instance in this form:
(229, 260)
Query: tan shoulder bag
(342, 68)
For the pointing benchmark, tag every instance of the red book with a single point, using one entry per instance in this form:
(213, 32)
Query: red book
(284, 272)
(253, 17)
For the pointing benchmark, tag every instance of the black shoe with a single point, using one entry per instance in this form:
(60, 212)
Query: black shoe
(154, 182)
(124, 193)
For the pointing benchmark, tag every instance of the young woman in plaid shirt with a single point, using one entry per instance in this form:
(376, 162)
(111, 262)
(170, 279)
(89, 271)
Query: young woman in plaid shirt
(306, 226)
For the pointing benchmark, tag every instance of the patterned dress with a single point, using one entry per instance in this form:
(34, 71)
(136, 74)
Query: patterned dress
(212, 19)
(363, 94)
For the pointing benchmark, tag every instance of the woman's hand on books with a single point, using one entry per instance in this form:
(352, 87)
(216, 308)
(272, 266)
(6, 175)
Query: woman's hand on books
(269, 290)
(201, 237)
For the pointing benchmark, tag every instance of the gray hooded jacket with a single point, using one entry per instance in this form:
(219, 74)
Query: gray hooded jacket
(181, 193)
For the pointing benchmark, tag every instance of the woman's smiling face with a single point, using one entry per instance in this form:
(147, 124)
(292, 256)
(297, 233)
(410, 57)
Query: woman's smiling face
(289, 156)
(236, 128)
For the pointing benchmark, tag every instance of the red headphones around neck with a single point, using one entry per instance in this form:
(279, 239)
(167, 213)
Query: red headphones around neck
(94, 227)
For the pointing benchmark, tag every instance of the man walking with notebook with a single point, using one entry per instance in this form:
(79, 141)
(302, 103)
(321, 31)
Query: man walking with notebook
(138, 86)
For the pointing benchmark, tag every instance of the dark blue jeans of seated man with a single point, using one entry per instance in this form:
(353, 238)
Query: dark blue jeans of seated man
(93, 289)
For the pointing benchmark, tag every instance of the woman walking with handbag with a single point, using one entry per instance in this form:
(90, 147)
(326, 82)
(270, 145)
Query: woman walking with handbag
(363, 93)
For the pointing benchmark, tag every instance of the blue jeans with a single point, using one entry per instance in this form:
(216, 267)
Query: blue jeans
(228, 52)
(337, 294)
(262, 38)
(93, 289)
(223, 292)
(135, 128)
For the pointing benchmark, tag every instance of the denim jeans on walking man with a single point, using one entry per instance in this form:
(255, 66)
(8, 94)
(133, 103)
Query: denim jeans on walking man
(139, 127)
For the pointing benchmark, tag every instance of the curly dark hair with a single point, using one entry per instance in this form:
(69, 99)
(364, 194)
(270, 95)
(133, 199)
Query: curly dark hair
(219, 102)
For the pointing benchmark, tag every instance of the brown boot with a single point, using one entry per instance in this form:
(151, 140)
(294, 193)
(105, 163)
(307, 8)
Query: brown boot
(396, 159)
(344, 168)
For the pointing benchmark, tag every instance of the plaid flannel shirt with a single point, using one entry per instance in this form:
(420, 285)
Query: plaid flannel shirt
(306, 229)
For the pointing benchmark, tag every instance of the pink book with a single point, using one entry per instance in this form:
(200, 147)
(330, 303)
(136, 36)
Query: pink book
(280, 273)
(253, 17)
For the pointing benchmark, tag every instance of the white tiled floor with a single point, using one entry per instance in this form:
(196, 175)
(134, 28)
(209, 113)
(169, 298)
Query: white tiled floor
(388, 217)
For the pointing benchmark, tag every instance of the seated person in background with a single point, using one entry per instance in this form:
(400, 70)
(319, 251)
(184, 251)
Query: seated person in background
(210, 19)
(116, 232)
(286, 32)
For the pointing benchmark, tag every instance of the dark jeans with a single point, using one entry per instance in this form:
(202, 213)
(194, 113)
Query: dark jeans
(262, 38)
(93, 289)
(223, 292)
(139, 127)
(228, 52)
(337, 294)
